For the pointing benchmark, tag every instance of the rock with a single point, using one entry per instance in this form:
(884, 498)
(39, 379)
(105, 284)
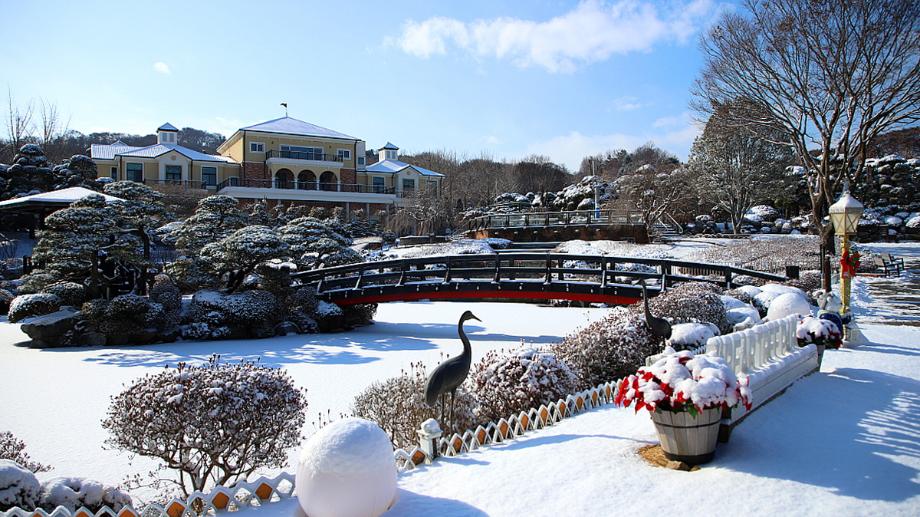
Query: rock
(285, 328)
(90, 339)
(51, 330)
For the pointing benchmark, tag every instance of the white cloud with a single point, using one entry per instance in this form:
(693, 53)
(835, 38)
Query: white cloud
(591, 32)
(491, 140)
(570, 148)
(627, 103)
(161, 68)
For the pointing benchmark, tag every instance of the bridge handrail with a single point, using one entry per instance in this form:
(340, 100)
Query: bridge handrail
(544, 218)
(497, 261)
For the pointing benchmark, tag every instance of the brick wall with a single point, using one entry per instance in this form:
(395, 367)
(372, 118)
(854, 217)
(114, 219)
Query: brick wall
(255, 171)
(349, 177)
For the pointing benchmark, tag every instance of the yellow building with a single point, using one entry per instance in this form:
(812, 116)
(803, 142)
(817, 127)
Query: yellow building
(281, 160)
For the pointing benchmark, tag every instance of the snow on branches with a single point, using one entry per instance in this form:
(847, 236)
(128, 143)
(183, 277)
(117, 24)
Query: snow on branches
(215, 423)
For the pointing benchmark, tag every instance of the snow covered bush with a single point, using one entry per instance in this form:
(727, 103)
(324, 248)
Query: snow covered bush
(73, 493)
(18, 486)
(238, 254)
(398, 406)
(685, 336)
(13, 449)
(190, 274)
(818, 331)
(28, 305)
(787, 304)
(692, 302)
(130, 319)
(607, 349)
(6, 298)
(36, 282)
(508, 383)
(681, 381)
(246, 314)
(140, 209)
(215, 423)
(70, 293)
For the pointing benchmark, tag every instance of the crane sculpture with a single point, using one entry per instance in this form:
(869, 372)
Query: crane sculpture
(660, 327)
(450, 374)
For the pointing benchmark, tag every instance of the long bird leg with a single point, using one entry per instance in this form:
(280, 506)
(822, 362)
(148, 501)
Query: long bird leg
(453, 394)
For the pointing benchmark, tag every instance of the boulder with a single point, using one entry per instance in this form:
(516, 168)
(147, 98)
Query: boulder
(52, 330)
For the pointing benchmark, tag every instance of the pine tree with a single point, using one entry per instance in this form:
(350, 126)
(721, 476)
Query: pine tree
(215, 218)
(239, 253)
(141, 209)
(314, 243)
(75, 236)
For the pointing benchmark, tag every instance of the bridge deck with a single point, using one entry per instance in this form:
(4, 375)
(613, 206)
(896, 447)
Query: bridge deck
(514, 276)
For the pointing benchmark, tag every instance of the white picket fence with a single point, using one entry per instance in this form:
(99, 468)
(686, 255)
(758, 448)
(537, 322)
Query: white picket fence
(768, 354)
(242, 495)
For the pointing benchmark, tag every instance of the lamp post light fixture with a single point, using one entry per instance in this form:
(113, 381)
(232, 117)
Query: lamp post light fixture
(845, 214)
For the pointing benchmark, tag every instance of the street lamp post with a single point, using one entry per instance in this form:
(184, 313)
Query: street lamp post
(845, 214)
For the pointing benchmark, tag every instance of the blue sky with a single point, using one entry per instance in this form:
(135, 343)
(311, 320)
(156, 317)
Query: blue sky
(498, 77)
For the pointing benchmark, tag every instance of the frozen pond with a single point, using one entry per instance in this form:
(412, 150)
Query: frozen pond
(55, 399)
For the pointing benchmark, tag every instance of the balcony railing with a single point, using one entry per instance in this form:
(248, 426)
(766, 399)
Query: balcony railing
(301, 155)
(187, 184)
(305, 185)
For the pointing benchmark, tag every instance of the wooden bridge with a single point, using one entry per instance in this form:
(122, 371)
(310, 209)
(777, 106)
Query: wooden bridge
(514, 276)
(556, 226)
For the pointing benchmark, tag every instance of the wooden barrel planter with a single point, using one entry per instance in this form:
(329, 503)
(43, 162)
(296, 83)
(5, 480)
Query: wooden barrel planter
(686, 438)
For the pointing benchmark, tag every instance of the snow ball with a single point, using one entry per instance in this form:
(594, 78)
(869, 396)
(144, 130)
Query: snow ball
(691, 335)
(750, 290)
(731, 303)
(782, 289)
(786, 304)
(431, 426)
(347, 468)
(738, 315)
(764, 299)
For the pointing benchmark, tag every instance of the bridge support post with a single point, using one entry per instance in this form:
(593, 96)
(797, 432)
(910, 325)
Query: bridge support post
(603, 272)
(728, 278)
(447, 273)
(498, 270)
(549, 270)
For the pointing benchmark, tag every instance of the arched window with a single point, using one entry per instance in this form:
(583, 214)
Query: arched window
(328, 181)
(284, 179)
(306, 180)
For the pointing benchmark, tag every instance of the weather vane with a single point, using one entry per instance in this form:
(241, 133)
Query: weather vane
(285, 108)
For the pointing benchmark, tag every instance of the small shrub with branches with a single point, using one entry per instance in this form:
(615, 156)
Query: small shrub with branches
(508, 383)
(214, 424)
(608, 349)
(12, 448)
(398, 406)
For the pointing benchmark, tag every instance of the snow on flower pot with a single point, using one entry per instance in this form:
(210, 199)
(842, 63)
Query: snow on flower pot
(685, 394)
(687, 438)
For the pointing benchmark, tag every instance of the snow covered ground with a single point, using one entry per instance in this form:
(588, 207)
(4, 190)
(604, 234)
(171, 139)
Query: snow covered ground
(54, 399)
(844, 441)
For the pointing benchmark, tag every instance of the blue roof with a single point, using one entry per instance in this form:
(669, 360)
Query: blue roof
(390, 145)
(109, 152)
(167, 127)
(292, 126)
(394, 166)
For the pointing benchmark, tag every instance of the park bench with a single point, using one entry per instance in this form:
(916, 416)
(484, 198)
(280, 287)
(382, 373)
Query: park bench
(887, 265)
(895, 261)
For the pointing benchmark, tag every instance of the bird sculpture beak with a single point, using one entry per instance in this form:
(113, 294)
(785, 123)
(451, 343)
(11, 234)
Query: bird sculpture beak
(475, 318)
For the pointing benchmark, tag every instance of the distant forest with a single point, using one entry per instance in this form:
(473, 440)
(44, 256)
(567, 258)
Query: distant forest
(73, 142)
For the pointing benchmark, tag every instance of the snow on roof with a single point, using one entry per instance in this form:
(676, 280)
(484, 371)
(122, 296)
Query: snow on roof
(292, 126)
(390, 145)
(394, 166)
(167, 127)
(63, 196)
(109, 152)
